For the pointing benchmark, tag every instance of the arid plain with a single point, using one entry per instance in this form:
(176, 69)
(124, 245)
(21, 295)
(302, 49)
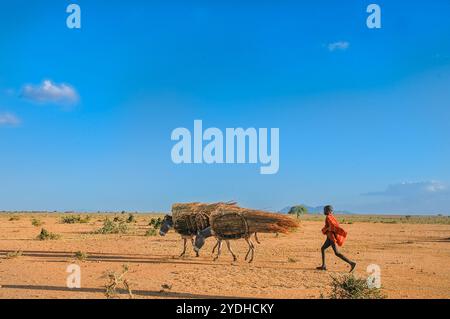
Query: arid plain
(412, 253)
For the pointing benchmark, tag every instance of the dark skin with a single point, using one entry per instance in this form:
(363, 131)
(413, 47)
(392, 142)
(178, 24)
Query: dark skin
(329, 243)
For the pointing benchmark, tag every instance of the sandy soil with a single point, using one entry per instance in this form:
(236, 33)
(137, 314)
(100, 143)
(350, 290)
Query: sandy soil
(414, 261)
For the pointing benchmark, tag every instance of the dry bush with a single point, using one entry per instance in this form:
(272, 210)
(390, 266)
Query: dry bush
(115, 281)
(351, 287)
(36, 222)
(14, 254)
(131, 218)
(156, 222)
(75, 219)
(151, 232)
(112, 227)
(46, 235)
(291, 260)
(81, 255)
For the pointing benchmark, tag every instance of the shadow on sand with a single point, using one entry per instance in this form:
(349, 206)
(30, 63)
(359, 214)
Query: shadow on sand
(55, 257)
(142, 293)
(105, 257)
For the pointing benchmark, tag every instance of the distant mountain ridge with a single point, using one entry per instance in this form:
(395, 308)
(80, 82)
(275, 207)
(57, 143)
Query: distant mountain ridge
(314, 210)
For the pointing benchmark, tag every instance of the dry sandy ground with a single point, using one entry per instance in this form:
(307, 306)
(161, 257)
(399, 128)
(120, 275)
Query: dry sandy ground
(414, 261)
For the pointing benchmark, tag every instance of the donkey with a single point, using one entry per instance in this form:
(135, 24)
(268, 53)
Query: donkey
(167, 224)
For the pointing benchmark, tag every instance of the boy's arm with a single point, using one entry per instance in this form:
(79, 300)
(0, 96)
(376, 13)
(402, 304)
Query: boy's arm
(326, 228)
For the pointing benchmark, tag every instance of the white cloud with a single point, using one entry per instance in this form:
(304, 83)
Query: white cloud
(50, 92)
(340, 45)
(8, 119)
(411, 189)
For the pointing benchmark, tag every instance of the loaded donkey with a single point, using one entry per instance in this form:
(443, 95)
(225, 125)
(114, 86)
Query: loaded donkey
(190, 218)
(231, 223)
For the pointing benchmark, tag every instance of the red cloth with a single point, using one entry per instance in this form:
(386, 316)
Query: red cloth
(334, 232)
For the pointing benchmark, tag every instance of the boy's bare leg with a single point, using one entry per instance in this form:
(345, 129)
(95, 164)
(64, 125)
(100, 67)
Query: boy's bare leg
(340, 255)
(327, 244)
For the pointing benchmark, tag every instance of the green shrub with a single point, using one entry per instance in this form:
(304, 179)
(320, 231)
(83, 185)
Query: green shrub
(14, 218)
(75, 219)
(351, 287)
(36, 222)
(156, 222)
(81, 255)
(111, 227)
(46, 235)
(151, 232)
(131, 218)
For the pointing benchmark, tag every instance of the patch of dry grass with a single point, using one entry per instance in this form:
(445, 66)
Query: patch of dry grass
(115, 281)
(14, 254)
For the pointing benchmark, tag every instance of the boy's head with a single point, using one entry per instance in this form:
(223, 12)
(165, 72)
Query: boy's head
(328, 210)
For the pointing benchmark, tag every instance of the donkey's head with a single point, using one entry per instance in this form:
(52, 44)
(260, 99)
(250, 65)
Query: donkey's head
(201, 238)
(167, 224)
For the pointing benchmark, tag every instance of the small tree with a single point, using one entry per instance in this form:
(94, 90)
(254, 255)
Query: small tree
(298, 210)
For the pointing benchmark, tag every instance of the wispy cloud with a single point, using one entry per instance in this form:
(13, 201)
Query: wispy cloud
(9, 119)
(338, 46)
(412, 189)
(50, 92)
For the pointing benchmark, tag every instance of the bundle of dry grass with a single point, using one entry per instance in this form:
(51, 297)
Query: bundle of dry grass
(199, 207)
(234, 222)
(189, 218)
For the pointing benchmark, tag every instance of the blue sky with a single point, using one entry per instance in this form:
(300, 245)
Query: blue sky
(86, 115)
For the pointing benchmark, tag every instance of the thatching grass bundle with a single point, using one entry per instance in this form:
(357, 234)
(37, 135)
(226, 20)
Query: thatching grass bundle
(199, 207)
(189, 218)
(235, 222)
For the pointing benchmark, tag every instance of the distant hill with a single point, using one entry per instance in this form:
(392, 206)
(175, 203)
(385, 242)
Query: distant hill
(315, 210)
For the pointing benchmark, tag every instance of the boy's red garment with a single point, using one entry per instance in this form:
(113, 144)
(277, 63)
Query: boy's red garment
(334, 232)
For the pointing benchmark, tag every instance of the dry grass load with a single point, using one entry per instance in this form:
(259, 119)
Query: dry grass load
(235, 222)
(189, 218)
(199, 207)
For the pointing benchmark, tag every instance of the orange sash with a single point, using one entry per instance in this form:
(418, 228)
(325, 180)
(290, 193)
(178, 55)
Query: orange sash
(334, 232)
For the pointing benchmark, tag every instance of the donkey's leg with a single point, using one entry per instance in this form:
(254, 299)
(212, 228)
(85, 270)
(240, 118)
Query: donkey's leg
(219, 249)
(253, 252)
(230, 250)
(215, 246)
(251, 249)
(193, 245)
(184, 247)
(256, 238)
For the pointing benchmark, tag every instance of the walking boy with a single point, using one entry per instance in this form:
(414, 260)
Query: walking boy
(335, 235)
